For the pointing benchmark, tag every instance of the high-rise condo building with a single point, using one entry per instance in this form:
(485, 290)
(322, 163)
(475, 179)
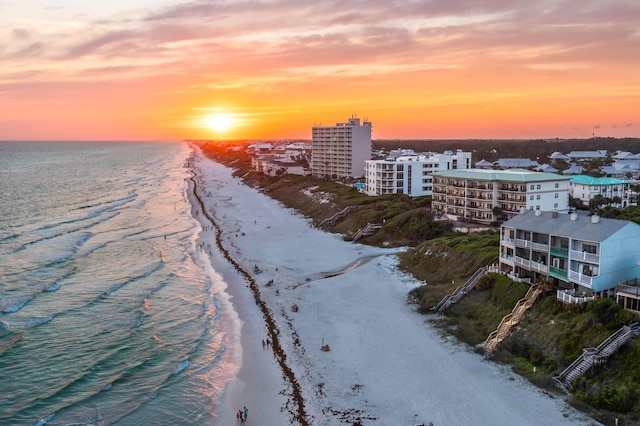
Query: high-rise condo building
(340, 151)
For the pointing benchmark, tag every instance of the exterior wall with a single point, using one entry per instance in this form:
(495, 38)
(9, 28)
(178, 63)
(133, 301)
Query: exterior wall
(475, 195)
(340, 151)
(585, 265)
(586, 192)
(548, 196)
(619, 258)
(410, 174)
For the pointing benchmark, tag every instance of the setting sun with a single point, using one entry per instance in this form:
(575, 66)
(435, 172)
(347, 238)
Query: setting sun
(219, 122)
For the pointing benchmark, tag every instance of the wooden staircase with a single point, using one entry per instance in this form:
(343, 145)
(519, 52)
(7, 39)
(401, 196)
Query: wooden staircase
(459, 292)
(596, 356)
(367, 231)
(336, 217)
(500, 333)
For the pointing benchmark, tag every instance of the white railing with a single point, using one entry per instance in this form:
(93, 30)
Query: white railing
(506, 258)
(509, 241)
(567, 296)
(540, 246)
(519, 279)
(522, 243)
(583, 255)
(539, 267)
(582, 278)
(522, 262)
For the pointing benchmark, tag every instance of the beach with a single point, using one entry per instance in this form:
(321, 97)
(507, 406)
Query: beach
(386, 364)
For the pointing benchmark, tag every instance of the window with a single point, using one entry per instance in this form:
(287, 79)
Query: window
(555, 206)
(538, 197)
(531, 197)
(531, 187)
(557, 185)
(538, 186)
(555, 195)
(538, 207)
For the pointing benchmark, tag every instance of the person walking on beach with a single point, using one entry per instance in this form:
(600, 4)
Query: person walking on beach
(263, 344)
(245, 412)
(239, 415)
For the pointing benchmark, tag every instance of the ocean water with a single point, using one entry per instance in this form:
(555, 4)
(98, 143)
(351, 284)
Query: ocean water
(108, 313)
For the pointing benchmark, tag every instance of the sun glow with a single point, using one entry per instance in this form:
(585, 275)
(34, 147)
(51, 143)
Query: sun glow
(219, 122)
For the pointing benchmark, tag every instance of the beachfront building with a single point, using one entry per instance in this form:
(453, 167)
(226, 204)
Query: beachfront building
(585, 256)
(275, 159)
(340, 151)
(410, 173)
(586, 188)
(487, 196)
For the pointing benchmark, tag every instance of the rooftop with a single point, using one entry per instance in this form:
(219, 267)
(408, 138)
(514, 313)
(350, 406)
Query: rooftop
(581, 228)
(513, 175)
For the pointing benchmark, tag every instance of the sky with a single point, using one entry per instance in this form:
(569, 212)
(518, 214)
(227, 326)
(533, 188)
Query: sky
(272, 69)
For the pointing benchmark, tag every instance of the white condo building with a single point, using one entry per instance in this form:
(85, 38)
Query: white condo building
(410, 173)
(340, 151)
(488, 196)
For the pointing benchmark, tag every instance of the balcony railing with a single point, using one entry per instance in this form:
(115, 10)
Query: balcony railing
(581, 278)
(507, 259)
(559, 251)
(567, 296)
(558, 272)
(583, 255)
(523, 243)
(540, 246)
(539, 267)
(522, 262)
(633, 290)
(507, 240)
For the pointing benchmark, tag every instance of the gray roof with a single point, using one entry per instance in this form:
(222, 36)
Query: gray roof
(516, 162)
(511, 175)
(582, 228)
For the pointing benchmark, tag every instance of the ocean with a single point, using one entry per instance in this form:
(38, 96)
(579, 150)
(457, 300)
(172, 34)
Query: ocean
(108, 312)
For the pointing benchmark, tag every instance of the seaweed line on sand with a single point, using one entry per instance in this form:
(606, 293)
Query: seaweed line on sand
(298, 413)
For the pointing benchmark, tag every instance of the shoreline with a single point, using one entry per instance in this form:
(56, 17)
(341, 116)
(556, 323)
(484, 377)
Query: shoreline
(387, 365)
(235, 390)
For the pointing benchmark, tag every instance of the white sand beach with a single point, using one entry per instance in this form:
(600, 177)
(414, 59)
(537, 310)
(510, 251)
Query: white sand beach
(387, 365)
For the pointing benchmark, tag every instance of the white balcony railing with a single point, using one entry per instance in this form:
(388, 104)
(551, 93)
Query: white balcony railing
(522, 262)
(581, 278)
(567, 296)
(584, 256)
(522, 243)
(539, 267)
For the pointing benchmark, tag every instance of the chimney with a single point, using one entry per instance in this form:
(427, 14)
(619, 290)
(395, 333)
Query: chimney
(573, 216)
(595, 218)
(554, 214)
(538, 212)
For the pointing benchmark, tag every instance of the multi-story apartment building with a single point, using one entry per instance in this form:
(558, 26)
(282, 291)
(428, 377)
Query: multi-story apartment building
(585, 188)
(487, 196)
(587, 255)
(340, 151)
(410, 173)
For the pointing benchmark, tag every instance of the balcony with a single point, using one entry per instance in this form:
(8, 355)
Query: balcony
(508, 241)
(580, 278)
(523, 243)
(525, 263)
(505, 258)
(540, 246)
(558, 272)
(584, 256)
(568, 296)
(560, 252)
(539, 267)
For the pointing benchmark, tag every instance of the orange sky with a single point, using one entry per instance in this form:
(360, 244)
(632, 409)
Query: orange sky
(272, 69)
